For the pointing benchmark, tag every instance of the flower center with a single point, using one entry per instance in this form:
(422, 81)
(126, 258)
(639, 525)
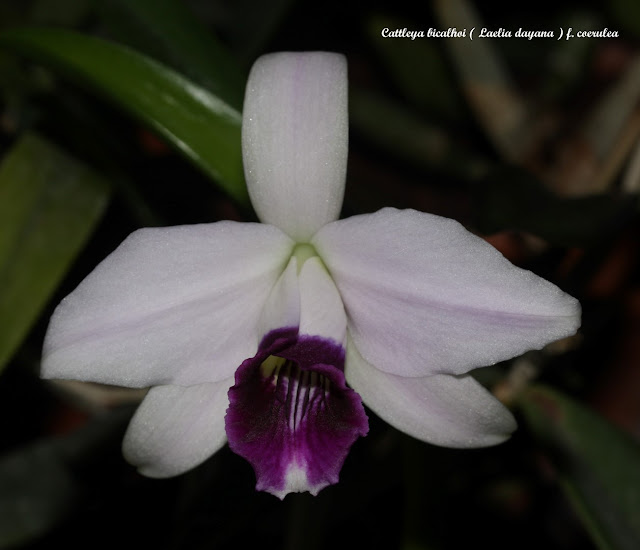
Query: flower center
(298, 391)
(302, 252)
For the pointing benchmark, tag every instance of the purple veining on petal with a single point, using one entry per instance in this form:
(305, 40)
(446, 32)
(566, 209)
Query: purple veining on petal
(291, 414)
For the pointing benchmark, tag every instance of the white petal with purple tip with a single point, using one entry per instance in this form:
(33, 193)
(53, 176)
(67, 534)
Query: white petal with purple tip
(177, 305)
(424, 296)
(295, 139)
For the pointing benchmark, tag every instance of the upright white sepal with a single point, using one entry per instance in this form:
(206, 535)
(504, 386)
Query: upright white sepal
(295, 139)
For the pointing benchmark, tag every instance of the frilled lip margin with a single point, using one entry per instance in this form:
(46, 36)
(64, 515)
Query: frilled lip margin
(291, 414)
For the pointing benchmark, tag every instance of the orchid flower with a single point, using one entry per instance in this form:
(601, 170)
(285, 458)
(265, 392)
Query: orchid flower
(272, 335)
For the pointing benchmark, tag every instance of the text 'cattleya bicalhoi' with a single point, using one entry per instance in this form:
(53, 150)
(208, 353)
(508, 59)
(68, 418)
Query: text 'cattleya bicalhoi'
(250, 332)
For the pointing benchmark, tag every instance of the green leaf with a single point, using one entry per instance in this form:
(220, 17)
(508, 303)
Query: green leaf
(38, 492)
(49, 205)
(40, 483)
(59, 12)
(250, 26)
(511, 198)
(197, 123)
(625, 14)
(418, 69)
(502, 111)
(168, 31)
(396, 129)
(567, 61)
(598, 465)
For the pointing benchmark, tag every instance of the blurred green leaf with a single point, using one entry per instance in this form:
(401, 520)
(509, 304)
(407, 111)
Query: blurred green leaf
(567, 61)
(168, 31)
(49, 205)
(598, 465)
(197, 123)
(625, 14)
(249, 25)
(394, 128)
(59, 12)
(604, 123)
(418, 69)
(512, 199)
(37, 493)
(486, 82)
(40, 482)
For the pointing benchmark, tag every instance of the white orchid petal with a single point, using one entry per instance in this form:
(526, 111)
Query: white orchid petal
(177, 305)
(424, 296)
(295, 138)
(322, 313)
(176, 428)
(452, 411)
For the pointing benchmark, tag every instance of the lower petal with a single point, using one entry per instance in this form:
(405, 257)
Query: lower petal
(177, 428)
(451, 411)
(292, 416)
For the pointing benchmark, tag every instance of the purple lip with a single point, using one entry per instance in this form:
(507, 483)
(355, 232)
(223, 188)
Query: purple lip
(291, 414)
